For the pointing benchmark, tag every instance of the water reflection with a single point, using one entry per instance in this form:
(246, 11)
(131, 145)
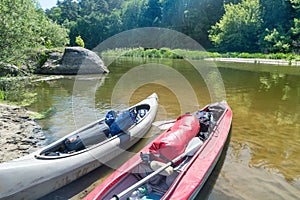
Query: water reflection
(71, 101)
(266, 114)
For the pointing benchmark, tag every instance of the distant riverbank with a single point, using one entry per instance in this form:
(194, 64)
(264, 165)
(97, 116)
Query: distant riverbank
(257, 61)
(256, 58)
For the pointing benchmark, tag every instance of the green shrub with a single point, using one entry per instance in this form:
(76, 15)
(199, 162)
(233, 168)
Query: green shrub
(48, 44)
(2, 95)
(42, 58)
(16, 90)
(79, 41)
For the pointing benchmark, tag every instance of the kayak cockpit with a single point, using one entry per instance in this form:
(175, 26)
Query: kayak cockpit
(96, 133)
(77, 142)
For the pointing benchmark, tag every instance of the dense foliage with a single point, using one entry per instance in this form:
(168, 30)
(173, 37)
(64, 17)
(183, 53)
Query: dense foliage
(24, 26)
(239, 27)
(267, 26)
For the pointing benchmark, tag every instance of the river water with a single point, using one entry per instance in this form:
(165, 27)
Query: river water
(262, 157)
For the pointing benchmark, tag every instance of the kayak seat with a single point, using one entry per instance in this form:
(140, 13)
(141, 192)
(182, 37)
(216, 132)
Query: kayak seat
(95, 134)
(74, 144)
(85, 138)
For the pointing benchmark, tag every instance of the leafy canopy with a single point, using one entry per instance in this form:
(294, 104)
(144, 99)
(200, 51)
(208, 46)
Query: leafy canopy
(239, 27)
(23, 26)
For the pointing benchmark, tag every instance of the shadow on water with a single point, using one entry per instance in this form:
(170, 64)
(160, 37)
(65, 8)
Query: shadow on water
(79, 186)
(207, 188)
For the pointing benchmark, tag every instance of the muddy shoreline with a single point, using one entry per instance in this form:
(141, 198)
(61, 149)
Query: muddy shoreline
(19, 134)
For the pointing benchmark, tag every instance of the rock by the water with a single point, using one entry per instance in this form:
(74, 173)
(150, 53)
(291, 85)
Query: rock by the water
(75, 60)
(52, 64)
(9, 69)
(83, 61)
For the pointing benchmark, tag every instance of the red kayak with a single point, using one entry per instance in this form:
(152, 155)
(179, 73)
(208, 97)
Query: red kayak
(177, 163)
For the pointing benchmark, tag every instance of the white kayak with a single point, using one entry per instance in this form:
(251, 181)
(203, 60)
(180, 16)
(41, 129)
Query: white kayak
(56, 165)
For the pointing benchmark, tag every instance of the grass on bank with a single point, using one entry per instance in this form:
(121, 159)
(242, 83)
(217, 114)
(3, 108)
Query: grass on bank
(15, 91)
(19, 89)
(189, 54)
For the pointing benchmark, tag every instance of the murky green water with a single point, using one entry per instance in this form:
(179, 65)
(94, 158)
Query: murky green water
(262, 158)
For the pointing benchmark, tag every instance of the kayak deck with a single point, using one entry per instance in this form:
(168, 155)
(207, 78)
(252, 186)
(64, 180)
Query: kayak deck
(88, 137)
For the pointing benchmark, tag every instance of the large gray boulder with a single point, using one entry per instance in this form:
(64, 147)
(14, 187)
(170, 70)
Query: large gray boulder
(83, 61)
(75, 60)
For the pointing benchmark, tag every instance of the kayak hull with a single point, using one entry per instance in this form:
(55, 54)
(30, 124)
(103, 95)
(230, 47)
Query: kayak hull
(192, 175)
(38, 174)
(202, 163)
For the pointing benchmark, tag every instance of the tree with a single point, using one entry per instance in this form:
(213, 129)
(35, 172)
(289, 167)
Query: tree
(281, 26)
(113, 23)
(114, 4)
(239, 27)
(86, 18)
(88, 7)
(295, 29)
(276, 42)
(199, 19)
(231, 25)
(131, 14)
(276, 14)
(24, 26)
(90, 28)
(151, 13)
(15, 27)
(173, 14)
(49, 32)
(69, 9)
(55, 14)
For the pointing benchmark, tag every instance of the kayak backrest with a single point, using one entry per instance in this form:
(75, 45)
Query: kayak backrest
(121, 121)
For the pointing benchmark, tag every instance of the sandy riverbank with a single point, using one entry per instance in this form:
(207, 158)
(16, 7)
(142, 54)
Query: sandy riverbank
(256, 61)
(19, 134)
